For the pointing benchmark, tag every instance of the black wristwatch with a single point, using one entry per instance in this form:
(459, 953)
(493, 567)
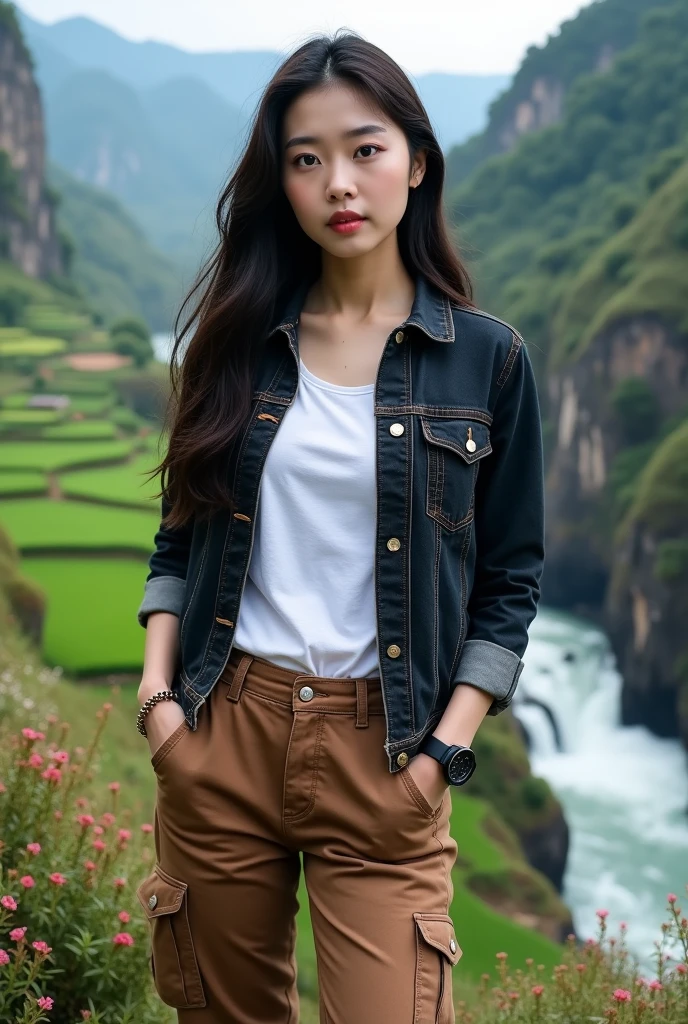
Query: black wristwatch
(457, 761)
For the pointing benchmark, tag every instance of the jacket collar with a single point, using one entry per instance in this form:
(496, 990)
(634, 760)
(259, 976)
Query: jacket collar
(430, 312)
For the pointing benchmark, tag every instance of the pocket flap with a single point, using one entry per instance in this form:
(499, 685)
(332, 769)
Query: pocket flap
(438, 931)
(459, 435)
(160, 893)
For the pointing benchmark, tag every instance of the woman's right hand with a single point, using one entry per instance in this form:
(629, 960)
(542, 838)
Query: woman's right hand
(161, 721)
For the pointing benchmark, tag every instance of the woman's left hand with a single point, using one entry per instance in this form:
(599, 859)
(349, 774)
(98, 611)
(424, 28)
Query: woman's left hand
(428, 775)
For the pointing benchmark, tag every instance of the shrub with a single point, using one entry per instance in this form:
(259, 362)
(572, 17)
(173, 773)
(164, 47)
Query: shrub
(72, 936)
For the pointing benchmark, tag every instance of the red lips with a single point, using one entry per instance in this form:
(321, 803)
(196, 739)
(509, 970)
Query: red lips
(342, 216)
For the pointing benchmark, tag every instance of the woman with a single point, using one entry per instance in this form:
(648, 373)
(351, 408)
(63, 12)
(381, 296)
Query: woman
(317, 663)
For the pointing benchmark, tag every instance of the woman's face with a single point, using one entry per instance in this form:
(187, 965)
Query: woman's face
(340, 167)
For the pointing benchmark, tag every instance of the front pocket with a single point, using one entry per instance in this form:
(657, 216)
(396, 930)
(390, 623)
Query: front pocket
(453, 448)
(174, 967)
(415, 792)
(166, 746)
(437, 951)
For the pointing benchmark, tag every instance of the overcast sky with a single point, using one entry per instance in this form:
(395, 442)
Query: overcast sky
(441, 35)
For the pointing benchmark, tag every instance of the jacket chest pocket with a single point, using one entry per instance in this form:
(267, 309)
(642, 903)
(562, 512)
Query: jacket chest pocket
(454, 448)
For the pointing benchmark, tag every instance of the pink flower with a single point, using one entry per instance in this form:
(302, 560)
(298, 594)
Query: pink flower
(3, 787)
(501, 956)
(35, 760)
(107, 707)
(622, 995)
(4, 957)
(81, 801)
(34, 848)
(107, 818)
(602, 914)
(513, 995)
(86, 1014)
(42, 947)
(119, 883)
(124, 917)
(61, 756)
(681, 969)
(98, 844)
(57, 815)
(44, 1003)
(17, 934)
(114, 786)
(123, 835)
(537, 990)
(52, 774)
(581, 967)
(29, 734)
(85, 820)
(8, 902)
(672, 897)
(655, 985)
(98, 830)
(27, 881)
(146, 827)
(123, 939)
(57, 879)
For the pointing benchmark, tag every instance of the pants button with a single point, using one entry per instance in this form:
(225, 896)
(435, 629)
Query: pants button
(306, 693)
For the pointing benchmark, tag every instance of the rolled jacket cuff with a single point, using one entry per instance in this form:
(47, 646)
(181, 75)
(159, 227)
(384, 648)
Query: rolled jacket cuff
(161, 594)
(491, 668)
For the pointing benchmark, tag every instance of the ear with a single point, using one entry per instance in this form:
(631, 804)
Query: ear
(418, 168)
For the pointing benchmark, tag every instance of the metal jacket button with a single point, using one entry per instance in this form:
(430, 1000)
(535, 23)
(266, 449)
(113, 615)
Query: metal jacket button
(394, 651)
(452, 945)
(397, 429)
(393, 543)
(152, 901)
(402, 759)
(306, 693)
(399, 336)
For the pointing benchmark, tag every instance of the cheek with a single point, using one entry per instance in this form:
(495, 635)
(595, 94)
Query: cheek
(389, 187)
(299, 195)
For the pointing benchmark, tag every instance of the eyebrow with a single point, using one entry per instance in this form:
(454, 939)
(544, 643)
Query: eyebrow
(364, 129)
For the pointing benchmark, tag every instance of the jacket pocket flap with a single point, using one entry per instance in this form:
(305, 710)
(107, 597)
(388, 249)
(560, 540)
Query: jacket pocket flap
(160, 893)
(469, 438)
(438, 931)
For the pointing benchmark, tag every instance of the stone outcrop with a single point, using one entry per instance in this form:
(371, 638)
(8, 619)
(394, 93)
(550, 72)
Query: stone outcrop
(27, 234)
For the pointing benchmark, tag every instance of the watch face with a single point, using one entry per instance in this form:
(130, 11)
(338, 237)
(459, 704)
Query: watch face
(461, 766)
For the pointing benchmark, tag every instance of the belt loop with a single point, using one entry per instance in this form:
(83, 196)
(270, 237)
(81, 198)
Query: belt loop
(361, 704)
(234, 691)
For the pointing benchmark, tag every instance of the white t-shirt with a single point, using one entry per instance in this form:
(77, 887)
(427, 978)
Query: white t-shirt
(309, 601)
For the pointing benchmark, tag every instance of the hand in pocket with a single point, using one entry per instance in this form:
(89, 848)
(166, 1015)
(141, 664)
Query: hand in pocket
(161, 721)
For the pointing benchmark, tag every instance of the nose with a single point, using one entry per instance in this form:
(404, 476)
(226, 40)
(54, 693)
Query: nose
(341, 184)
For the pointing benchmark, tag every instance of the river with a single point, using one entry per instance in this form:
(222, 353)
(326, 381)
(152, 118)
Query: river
(623, 790)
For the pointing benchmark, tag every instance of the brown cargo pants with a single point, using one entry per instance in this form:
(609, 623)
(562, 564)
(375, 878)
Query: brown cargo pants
(283, 762)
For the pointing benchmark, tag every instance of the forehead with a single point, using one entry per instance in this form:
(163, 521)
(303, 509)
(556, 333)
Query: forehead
(330, 109)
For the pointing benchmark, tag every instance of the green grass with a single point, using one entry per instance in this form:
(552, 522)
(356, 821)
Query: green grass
(42, 523)
(84, 430)
(38, 455)
(22, 483)
(29, 417)
(119, 484)
(91, 405)
(31, 345)
(91, 623)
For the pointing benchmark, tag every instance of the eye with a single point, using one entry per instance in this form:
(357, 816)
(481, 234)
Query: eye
(312, 156)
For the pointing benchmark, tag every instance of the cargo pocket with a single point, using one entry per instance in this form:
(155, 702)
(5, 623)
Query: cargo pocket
(453, 448)
(437, 951)
(173, 962)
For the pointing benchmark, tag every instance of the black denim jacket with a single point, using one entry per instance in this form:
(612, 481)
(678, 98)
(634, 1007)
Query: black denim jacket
(460, 518)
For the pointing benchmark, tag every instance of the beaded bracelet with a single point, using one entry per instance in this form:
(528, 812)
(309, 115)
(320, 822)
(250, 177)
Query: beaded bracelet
(151, 702)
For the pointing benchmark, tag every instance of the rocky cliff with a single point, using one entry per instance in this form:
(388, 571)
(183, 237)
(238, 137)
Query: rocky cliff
(617, 481)
(28, 237)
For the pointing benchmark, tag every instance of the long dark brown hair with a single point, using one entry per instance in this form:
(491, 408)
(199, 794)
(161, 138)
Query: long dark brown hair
(263, 253)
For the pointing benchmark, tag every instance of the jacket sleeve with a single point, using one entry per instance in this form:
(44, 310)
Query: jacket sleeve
(509, 533)
(166, 581)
